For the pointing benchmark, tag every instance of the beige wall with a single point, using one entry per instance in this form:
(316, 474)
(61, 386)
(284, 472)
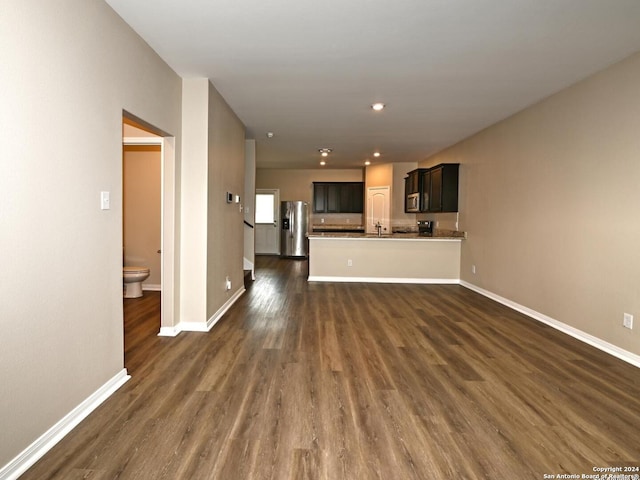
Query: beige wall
(225, 229)
(379, 175)
(213, 164)
(142, 209)
(297, 184)
(193, 226)
(393, 175)
(64, 90)
(550, 201)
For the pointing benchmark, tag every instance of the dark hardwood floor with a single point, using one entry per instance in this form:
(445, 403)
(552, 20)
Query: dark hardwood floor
(355, 381)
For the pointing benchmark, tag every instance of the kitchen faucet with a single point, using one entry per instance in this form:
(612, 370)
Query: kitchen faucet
(379, 228)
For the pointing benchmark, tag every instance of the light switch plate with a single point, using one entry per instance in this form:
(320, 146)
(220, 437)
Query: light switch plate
(105, 201)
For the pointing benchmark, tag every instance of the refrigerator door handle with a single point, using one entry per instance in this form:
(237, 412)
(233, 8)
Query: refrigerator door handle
(293, 225)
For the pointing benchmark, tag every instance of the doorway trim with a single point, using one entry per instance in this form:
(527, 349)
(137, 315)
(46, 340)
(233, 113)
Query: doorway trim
(276, 212)
(167, 233)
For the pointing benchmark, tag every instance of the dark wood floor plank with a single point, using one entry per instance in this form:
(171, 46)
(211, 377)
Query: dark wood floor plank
(354, 381)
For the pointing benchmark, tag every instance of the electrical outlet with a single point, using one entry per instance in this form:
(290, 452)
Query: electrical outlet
(228, 283)
(349, 263)
(473, 269)
(627, 321)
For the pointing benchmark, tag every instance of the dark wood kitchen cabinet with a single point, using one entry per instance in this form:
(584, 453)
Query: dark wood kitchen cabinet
(338, 197)
(333, 198)
(440, 188)
(319, 197)
(413, 187)
(352, 198)
(412, 182)
(425, 189)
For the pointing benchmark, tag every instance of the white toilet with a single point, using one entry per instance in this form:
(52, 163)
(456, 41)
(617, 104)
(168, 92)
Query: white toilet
(133, 278)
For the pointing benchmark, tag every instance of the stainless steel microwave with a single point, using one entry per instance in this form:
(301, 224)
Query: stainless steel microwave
(413, 202)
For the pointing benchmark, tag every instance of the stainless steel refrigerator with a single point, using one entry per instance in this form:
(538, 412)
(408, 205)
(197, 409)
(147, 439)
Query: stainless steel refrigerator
(294, 222)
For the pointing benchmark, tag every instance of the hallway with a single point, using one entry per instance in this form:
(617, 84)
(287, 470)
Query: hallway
(355, 381)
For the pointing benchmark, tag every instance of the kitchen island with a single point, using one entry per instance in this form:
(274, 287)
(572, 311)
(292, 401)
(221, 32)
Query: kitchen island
(395, 258)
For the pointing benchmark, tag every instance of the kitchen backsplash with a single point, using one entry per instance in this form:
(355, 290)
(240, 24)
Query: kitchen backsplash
(445, 221)
(337, 218)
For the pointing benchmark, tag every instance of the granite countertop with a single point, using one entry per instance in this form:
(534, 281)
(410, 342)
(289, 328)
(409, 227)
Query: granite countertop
(439, 235)
(336, 227)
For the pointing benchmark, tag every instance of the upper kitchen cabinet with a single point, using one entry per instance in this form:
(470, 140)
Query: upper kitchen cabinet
(413, 190)
(338, 197)
(440, 188)
(352, 197)
(425, 190)
(319, 197)
(412, 182)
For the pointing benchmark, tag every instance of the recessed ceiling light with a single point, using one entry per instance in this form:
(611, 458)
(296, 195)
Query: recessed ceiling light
(376, 154)
(323, 162)
(377, 106)
(325, 151)
(367, 162)
(269, 134)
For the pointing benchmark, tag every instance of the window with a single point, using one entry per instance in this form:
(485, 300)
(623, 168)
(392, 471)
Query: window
(265, 208)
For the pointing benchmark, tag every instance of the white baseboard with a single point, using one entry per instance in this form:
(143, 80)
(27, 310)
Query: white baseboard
(222, 310)
(192, 327)
(596, 342)
(152, 287)
(425, 281)
(205, 327)
(169, 331)
(47, 441)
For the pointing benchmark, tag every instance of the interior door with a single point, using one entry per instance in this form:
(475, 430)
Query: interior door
(378, 209)
(267, 221)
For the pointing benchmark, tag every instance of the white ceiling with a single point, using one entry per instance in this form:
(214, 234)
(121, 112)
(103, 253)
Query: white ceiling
(308, 70)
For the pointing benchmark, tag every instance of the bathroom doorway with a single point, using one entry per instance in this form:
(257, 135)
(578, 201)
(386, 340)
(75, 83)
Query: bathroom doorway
(141, 210)
(154, 158)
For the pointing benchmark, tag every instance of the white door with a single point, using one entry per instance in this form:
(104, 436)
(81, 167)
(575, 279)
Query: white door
(267, 210)
(378, 209)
